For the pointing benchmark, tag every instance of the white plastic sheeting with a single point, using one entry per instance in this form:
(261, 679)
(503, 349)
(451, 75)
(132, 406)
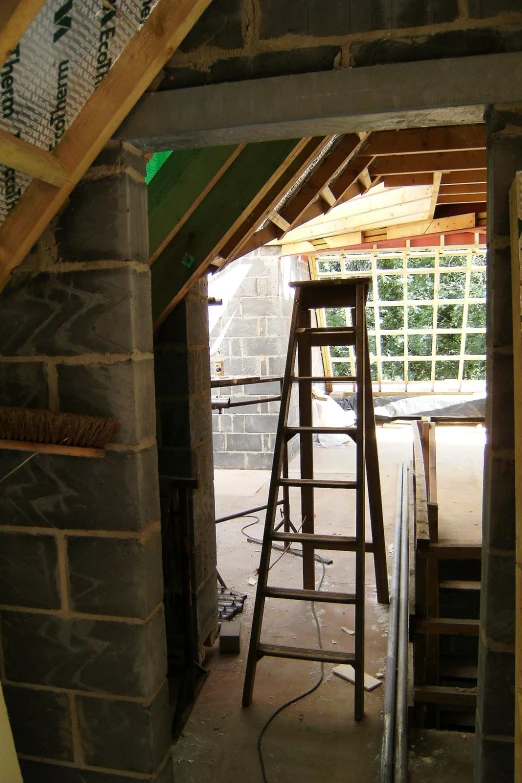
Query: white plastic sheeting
(326, 412)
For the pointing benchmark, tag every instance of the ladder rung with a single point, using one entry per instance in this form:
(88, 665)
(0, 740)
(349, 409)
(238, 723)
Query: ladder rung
(321, 430)
(320, 336)
(305, 654)
(325, 329)
(324, 379)
(317, 483)
(447, 626)
(336, 543)
(460, 584)
(310, 595)
(445, 694)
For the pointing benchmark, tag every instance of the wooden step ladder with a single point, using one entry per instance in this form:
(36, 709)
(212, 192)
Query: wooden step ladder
(311, 295)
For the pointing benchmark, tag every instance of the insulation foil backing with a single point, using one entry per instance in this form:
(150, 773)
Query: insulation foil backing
(47, 79)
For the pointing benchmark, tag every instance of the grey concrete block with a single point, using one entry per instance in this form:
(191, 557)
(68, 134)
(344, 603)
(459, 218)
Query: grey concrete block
(238, 423)
(244, 442)
(29, 571)
(40, 722)
(23, 384)
(499, 500)
(264, 389)
(224, 421)
(498, 598)
(244, 327)
(118, 492)
(218, 442)
(261, 346)
(242, 366)
(71, 313)
(119, 155)
(44, 772)
(504, 152)
(224, 459)
(260, 307)
(261, 422)
(106, 219)
(220, 25)
(125, 735)
(115, 576)
(105, 656)
(259, 461)
(276, 364)
(494, 760)
(496, 694)
(123, 391)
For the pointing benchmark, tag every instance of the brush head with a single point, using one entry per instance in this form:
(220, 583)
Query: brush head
(70, 429)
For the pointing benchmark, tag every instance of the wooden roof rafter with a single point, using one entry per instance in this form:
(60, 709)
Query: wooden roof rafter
(131, 74)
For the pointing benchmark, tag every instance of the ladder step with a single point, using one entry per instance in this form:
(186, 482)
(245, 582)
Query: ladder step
(447, 626)
(445, 694)
(305, 654)
(291, 431)
(327, 336)
(459, 584)
(324, 379)
(310, 595)
(317, 483)
(336, 543)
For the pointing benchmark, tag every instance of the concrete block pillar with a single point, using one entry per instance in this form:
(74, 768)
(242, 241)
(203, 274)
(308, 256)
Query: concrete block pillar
(83, 653)
(184, 426)
(496, 694)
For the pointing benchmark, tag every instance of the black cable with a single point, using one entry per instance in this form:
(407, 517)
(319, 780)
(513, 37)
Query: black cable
(250, 524)
(296, 698)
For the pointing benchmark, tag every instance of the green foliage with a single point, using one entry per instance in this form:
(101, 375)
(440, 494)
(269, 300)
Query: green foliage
(420, 317)
(448, 344)
(389, 263)
(421, 262)
(391, 317)
(392, 371)
(391, 288)
(446, 371)
(372, 345)
(392, 345)
(474, 370)
(341, 368)
(420, 344)
(452, 260)
(370, 318)
(358, 264)
(452, 285)
(478, 259)
(477, 315)
(421, 286)
(477, 287)
(373, 372)
(476, 344)
(450, 316)
(419, 371)
(339, 350)
(324, 267)
(335, 316)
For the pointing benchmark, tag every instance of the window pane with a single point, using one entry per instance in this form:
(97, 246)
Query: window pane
(476, 344)
(452, 285)
(477, 315)
(477, 288)
(452, 260)
(448, 344)
(421, 262)
(357, 264)
(450, 316)
(339, 350)
(421, 286)
(474, 370)
(419, 371)
(391, 317)
(419, 344)
(420, 317)
(446, 371)
(328, 266)
(370, 318)
(391, 287)
(389, 263)
(341, 368)
(392, 345)
(393, 371)
(336, 316)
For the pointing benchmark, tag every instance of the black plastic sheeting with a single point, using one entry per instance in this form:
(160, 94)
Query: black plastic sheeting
(438, 406)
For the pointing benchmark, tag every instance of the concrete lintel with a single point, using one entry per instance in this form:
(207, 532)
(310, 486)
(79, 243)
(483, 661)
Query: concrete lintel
(405, 95)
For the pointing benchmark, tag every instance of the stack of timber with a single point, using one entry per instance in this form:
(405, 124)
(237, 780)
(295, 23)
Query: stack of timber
(444, 604)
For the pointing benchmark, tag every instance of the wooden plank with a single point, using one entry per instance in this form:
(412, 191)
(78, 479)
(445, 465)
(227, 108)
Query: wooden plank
(10, 767)
(463, 198)
(216, 219)
(454, 137)
(51, 448)
(437, 176)
(18, 154)
(447, 626)
(421, 501)
(470, 187)
(439, 226)
(475, 176)
(515, 201)
(15, 18)
(407, 180)
(179, 187)
(446, 694)
(129, 77)
(460, 584)
(349, 178)
(437, 161)
(456, 550)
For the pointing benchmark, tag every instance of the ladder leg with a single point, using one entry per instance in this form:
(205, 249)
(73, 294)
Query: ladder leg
(360, 509)
(374, 491)
(306, 452)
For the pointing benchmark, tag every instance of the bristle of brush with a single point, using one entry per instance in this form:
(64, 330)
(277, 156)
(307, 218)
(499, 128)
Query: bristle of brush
(71, 429)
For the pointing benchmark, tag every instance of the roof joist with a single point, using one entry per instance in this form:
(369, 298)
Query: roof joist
(15, 18)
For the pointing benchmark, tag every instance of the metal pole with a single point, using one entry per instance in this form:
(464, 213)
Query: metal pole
(401, 726)
(390, 685)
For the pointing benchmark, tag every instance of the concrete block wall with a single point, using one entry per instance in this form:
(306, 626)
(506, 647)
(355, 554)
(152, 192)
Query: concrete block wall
(255, 344)
(252, 39)
(184, 426)
(496, 693)
(82, 638)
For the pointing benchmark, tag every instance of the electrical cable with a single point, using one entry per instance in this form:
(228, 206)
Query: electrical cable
(301, 695)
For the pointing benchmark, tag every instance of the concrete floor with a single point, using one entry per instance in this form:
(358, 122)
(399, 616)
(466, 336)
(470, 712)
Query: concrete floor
(316, 739)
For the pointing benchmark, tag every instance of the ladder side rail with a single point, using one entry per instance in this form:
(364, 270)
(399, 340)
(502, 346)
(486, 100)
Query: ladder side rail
(304, 364)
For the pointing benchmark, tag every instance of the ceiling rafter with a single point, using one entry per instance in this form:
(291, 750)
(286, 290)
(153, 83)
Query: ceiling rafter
(15, 17)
